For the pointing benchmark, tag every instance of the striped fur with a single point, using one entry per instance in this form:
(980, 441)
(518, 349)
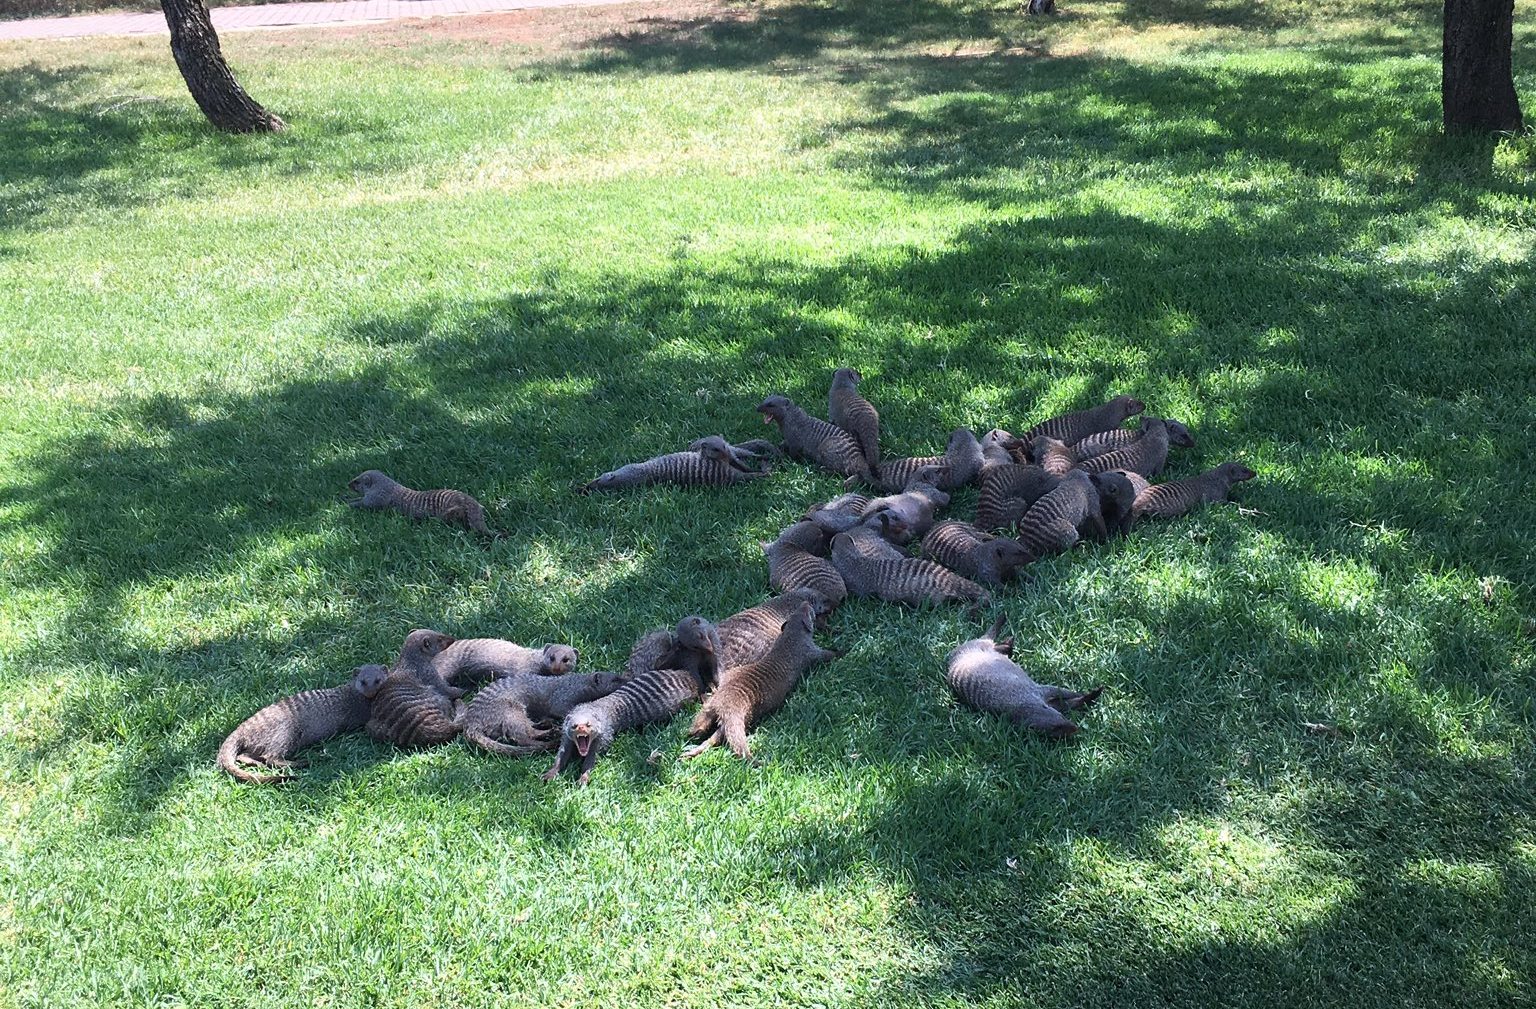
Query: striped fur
(1171, 500)
(963, 458)
(451, 506)
(1007, 492)
(476, 660)
(1072, 428)
(750, 693)
(514, 716)
(980, 556)
(912, 510)
(271, 736)
(1146, 455)
(746, 636)
(807, 437)
(1108, 441)
(983, 676)
(1053, 523)
(419, 657)
(693, 645)
(901, 579)
(855, 414)
(686, 469)
(410, 715)
(589, 729)
(1052, 456)
(797, 560)
(842, 512)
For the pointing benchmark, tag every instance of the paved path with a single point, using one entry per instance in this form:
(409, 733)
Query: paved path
(278, 15)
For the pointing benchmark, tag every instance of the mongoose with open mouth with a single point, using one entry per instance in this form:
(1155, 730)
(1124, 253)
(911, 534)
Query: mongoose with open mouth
(589, 729)
(271, 736)
(519, 714)
(855, 414)
(750, 693)
(451, 506)
(807, 437)
(1072, 428)
(983, 676)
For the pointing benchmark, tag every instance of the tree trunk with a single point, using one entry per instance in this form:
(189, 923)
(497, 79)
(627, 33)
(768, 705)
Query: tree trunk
(196, 48)
(1477, 83)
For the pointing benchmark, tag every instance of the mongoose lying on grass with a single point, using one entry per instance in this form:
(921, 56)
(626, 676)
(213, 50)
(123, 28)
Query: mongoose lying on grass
(842, 512)
(271, 736)
(1059, 519)
(796, 560)
(1170, 500)
(747, 457)
(980, 556)
(855, 414)
(409, 712)
(807, 437)
(589, 729)
(451, 506)
(984, 677)
(747, 636)
(900, 579)
(752, 692)
(1072, 428)
(693, 645)
(714, 464)
(1007, 492)
(1120, 437)
(520, 714)
(476, 660)
(912, 509)
(1146, 455)
(963, 457)
(1052, 456)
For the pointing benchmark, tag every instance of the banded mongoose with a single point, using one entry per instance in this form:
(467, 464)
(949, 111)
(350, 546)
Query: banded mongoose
(476, 660)
(855, 414)
(871, 539)
(807, 437)
(901, 579)
(1117, 494)
(752, 692)
(797, 559)
(588, 729)
(914, 507)
(1052, 456)
(1059, 519)
(984, 677)
(1146, 455)
(693, 645)
(978, 555)
(748, 456)
(1008, 490)
(419, 657)
(713, 465)
(519, 715)
(451, 506)
(408, 711)
(842, 512)
(271, 736)
(1170, 500)
(746, 636)
(963, 457)
(1072, 428)
(1108, 441)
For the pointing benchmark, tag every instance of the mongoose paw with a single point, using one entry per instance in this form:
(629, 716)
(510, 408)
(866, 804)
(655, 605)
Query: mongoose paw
(581, 780)
(551, 774)
(1091, 697)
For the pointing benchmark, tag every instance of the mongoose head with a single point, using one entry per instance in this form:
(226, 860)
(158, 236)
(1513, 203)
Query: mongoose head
(424, 644)
(367, 680)
(802, 621)
(1044, 445)
(1236, 472)
(1115, 489)
(890, 526)
(846, 378)
(961, 439)
(716, 450)
(1128, 406)
(367, 480)
(560, 659)
(713, 440)
(1179, 435)
(697, 634)
(819, 603)
(608, 481)
(1006, 556)
(586, 734)
(774, 409)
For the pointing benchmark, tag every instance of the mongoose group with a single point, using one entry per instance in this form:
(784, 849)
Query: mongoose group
(1081, 476)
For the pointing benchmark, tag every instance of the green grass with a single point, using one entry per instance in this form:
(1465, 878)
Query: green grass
(507, 269)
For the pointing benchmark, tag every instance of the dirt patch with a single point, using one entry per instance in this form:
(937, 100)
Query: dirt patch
(552, 29)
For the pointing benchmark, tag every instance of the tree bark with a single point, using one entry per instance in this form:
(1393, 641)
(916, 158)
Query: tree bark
(196, 48)
(1477, 83)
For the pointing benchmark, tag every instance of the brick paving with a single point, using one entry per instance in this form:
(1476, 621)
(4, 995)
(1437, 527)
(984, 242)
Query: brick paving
(280, 15)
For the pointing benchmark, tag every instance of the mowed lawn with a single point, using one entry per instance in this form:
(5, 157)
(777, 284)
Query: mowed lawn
(507, 254)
